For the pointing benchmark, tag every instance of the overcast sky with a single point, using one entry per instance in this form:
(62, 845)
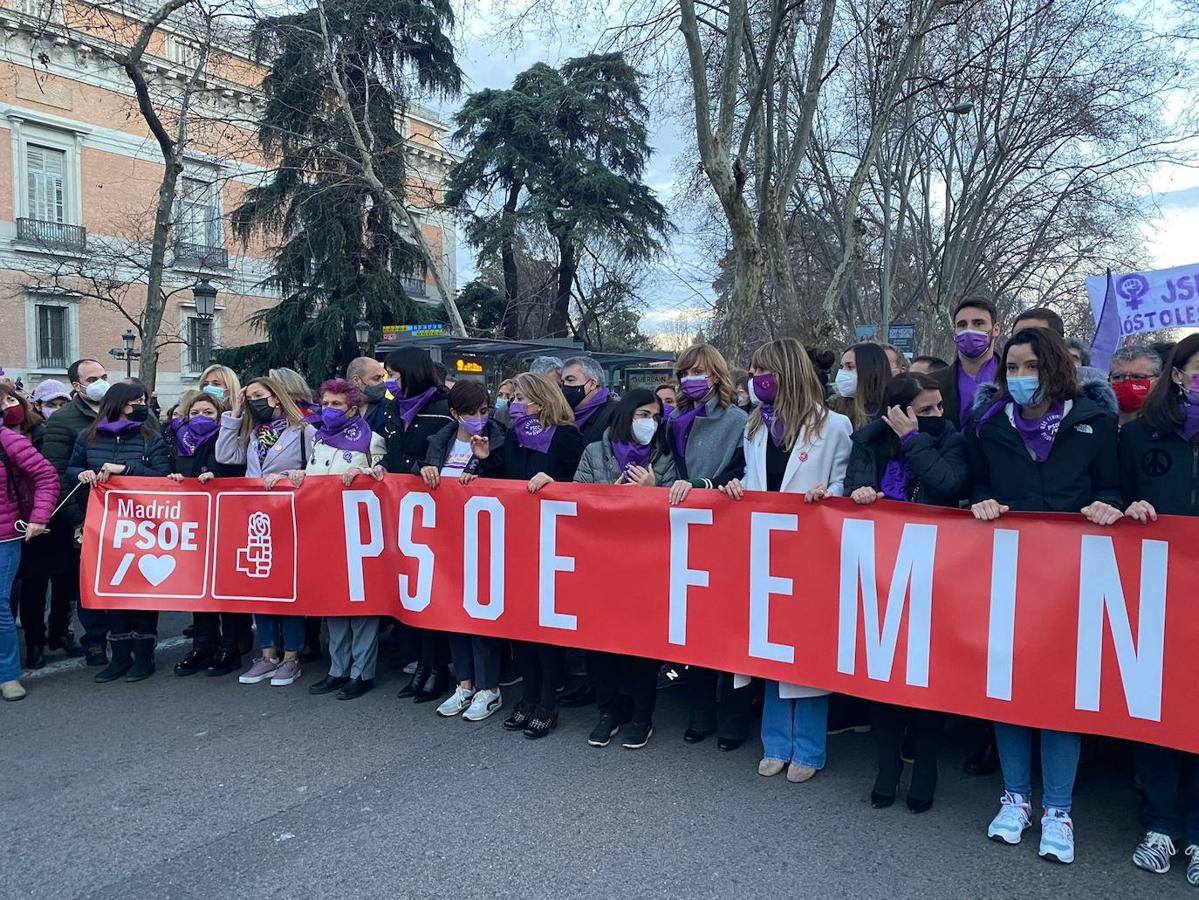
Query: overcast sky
(682, 281)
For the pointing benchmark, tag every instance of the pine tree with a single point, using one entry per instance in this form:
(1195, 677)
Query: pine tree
(341, 256)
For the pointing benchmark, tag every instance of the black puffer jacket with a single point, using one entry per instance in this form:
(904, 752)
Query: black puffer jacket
(140, 455)
(1160, 467)
(204, 460)
(937, 458)
(559, 461)
(1081, 468)
(492, 467)
(406, 448)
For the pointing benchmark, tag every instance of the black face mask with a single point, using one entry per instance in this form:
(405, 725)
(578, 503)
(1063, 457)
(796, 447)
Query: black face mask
(574, 394)
(931, 424)
(374, 392)
(139, 413)
(261, 410)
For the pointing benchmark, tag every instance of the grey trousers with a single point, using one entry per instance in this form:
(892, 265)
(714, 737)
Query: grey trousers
(353, 646)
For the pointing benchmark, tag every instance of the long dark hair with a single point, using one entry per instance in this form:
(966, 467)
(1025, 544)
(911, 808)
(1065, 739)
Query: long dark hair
(417, 373)
(621, 426)
(874, 373)
(114, 402)
(1161, 409)
(902, 391)
(1056, 371)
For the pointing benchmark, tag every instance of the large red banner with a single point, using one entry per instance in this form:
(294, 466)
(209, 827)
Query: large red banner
(1044, 621)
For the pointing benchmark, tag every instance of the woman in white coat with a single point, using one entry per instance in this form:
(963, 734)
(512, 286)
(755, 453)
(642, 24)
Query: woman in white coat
(792, 444)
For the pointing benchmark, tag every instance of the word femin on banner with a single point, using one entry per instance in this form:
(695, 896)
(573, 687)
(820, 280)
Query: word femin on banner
(1044, 621)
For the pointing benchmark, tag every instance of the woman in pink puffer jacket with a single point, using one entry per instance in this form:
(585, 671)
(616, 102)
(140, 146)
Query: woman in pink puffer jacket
(29, 482)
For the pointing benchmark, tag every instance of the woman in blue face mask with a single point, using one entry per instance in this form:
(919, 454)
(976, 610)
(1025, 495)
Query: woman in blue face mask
(220, 382)
(1038, 442)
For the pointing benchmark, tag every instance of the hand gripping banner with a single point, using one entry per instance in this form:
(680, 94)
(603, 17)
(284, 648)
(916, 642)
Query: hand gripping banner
(1036, 620)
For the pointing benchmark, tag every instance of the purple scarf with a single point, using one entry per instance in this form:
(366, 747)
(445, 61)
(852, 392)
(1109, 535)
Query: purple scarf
(531, 435)
(119, 427)
(589, 408)
(1038, 434)
(898, 474)
(1190, 421)
(352, 437)
(680, 424)
(774, 425)
(631, 454)
(193, 434)
(410, 407)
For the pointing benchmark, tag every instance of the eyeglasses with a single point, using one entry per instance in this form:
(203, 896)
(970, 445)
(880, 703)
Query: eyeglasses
(1130, 376)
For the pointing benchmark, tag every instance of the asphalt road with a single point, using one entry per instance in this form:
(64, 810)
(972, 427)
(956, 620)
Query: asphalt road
(200, 788)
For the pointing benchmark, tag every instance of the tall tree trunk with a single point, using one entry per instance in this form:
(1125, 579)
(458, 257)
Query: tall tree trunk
(567, 264)
(152, 312)
(511, 323)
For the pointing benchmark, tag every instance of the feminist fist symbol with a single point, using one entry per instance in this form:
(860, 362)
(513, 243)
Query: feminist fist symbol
(1132, 288)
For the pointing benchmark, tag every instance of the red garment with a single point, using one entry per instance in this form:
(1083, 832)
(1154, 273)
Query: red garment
(30, 469)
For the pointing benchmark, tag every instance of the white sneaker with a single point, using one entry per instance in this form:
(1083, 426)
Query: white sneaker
(1193, 866)
(484, 704)
(1154, 852)
(1015, 815)
(455, 702)
(1057, 836)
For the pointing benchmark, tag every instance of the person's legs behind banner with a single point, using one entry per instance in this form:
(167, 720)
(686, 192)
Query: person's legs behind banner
(10, 659)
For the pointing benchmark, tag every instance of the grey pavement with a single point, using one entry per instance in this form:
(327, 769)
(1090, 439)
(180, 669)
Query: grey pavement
(196, 787)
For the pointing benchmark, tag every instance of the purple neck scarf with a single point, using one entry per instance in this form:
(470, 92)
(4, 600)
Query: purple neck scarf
(531, 435)
(1190, 421)
(410, 407)
(589, 408)
(1038, 434)
(121, 426)
(774, 425)
(352, 437)
(193, 434)
(631, 454)
(896, 478)
(680, 424)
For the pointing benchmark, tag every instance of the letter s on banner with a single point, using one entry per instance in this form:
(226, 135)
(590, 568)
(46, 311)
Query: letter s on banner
(1099, 590)
(762, 584)
(681, 577)
(470, 558)
(423, 595)
(356, 550)
(913, 574)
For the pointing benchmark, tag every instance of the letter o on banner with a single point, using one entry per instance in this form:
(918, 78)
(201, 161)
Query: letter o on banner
(494, 608)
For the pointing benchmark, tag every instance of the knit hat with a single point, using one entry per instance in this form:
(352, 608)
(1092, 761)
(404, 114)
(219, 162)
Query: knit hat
(50, 390)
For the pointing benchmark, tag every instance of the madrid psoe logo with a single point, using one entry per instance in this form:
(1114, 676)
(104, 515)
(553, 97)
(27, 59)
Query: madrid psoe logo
(154, 545)
(255, 547)
(254, 559)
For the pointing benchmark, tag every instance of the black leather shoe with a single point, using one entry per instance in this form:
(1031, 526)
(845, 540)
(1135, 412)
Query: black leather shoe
(581, 695)
(193, 662)
(695, 735)
(66, 644)
(520, 717)
(435, 687)
(729, 744)
(881, 801)
(356, 688)
(35, 658)
(96, 656)
(328, 684)
(415, 683)
(225, 662)
(541, 723)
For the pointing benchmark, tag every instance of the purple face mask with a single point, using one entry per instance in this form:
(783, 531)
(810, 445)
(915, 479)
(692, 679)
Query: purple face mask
(333, 419)
(696, 387)
(1192, 393)
(474, 426)
(972, 344)
(765, 387)
(518, 410)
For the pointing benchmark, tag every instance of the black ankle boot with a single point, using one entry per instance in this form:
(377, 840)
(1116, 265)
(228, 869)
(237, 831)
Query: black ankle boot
(415, 683)
(143, 659)
(194, 662)
(35, 656)
(224, 662)
(434, 687)
(120, 659)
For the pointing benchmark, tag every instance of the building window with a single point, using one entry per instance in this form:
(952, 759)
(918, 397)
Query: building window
(182, 51)
(414, 284)
(53, 336)
(199, 232)
(43, 10)
(46, 188)
(46, 173)
(199, 343)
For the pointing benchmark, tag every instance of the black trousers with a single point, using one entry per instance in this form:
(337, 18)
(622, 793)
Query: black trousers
(132, 623)
(542, 667)
(219, 631)
(1171, 781)
(926, 728)
(477, 660)
(715, 705)
(434, 648)
(626, 687)
(48, 563)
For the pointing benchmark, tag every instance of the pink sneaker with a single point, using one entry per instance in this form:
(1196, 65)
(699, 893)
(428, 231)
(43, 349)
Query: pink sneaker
(289, 670)
(260, 670)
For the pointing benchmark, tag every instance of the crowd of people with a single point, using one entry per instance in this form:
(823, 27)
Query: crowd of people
(1016, 422)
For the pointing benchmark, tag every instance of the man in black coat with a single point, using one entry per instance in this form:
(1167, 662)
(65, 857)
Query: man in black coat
(583, 384)
(976, 326)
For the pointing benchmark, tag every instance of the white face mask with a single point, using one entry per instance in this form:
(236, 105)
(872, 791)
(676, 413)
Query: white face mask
(644, 430)
(96, 390)
(846, 383)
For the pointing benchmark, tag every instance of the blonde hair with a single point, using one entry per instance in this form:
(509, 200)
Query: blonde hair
(287, 406)
(718, 370)
(799, 403)
(191, 398)
(545, 393)
(292, 384)
(232, 382)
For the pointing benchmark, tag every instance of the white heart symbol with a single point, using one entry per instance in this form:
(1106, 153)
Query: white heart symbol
(157, 569)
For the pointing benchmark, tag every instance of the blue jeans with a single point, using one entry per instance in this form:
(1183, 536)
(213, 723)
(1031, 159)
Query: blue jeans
(284, 633)
(10, 659)
(1059, 763)
(794, 731)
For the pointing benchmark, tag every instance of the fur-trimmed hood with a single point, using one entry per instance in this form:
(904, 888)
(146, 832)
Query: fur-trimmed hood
(1092, 386)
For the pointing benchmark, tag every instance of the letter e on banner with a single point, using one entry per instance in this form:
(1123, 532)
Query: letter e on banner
(549, 564)
(762, 584)
(256, 546)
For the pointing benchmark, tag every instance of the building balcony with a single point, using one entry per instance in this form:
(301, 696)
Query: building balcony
(52, 235)
(201, 255)
(414, 286)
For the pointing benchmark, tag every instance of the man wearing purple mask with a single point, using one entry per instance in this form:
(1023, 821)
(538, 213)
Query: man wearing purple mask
(583, 385)
(976, 326)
